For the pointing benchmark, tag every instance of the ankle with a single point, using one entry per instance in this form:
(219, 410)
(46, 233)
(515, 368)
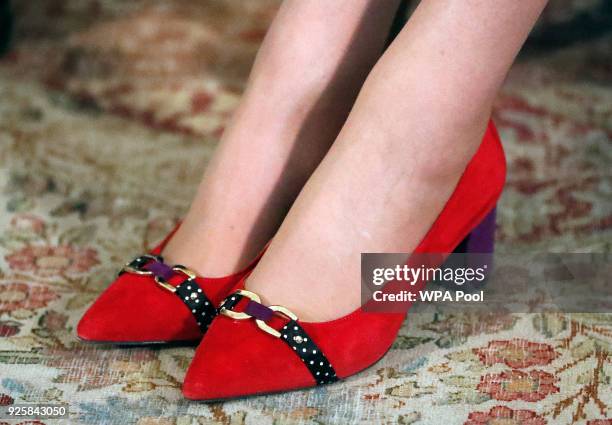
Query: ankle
(455, 142)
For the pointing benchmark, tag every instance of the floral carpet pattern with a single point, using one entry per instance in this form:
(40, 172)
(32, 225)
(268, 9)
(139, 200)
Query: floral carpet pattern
(109, 112)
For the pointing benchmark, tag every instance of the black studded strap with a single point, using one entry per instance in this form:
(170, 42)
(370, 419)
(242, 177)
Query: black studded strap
(188, 291)
(320, 368)
(292, 334)
(193, 296)
(230, 302)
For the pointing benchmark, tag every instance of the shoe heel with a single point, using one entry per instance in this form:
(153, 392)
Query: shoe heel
(481, 243)
(481, 240)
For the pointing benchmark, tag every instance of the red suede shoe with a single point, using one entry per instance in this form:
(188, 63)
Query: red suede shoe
(153, 303)
(277, 352)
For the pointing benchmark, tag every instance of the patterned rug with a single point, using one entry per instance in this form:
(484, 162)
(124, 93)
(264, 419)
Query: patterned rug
(109, 112)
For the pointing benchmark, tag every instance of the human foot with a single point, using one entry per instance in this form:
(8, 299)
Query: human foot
(387, 206)
(306, 354)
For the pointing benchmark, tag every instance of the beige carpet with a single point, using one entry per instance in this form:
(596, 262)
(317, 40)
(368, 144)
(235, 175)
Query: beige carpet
(109, 112)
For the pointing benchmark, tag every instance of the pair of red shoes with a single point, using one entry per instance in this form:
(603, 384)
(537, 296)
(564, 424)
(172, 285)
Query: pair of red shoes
(250, 348)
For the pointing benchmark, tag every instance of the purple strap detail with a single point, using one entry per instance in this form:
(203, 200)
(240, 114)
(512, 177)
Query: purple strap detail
(258, 311)
(161, 270)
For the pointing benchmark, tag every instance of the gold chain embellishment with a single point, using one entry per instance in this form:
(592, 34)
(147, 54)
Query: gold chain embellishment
(254, 298)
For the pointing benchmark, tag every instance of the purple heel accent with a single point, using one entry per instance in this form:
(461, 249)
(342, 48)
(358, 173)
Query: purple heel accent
(481, 240)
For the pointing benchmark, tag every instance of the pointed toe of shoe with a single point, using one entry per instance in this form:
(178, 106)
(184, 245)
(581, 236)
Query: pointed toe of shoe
(237, 359)
(91, 326)
(133, 309)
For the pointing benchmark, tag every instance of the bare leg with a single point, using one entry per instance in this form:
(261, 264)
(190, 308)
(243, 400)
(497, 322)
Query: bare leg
(416, 123)
(306, 77)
